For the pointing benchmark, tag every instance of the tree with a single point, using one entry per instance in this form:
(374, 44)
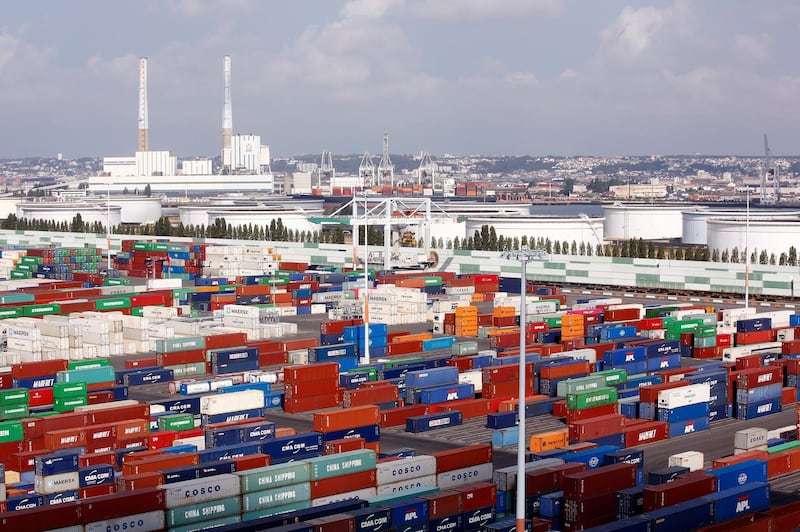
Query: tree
(735, 255)
(147, 190)
(77, 224)
(715, 256)
(772, 259)
(557, 248)
(660, 253)
(492, 244)
(792, 260)
(783, 259)
(763, 258)
(725, 256)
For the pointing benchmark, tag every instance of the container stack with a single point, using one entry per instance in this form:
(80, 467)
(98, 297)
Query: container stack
(408, 473)
(758, 392)
(311, 387)
(342, 476)
(394, 305)
(378, 338)
(685, 408)
(203, 502)
(752, 439)
(591, 414)
(590, 497)
(358, 422)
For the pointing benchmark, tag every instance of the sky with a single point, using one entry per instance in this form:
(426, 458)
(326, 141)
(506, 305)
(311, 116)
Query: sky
(463, 77)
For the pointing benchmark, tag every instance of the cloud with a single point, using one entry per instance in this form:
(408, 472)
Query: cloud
(195, 8)
(752, 48)
(632, 33)
(481, 10)
(368, 9)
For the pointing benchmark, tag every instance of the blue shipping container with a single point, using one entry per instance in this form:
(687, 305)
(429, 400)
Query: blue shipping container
(736, 475)
(688, 427)
(682, 413)
(666, 474)
(760, 394)
(431, 377)
(442, 394)
(289, 446)
(684, 516)
(625, 355)
(408, 511)
(229, 417)
(761, 408)
(429, 422)
(754, 324)
(740, 500)
(370, 433)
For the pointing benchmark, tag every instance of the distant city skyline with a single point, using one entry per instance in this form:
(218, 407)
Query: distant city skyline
(501, 77)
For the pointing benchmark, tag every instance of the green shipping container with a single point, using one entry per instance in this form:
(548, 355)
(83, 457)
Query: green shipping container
(180, 371)
(176, 422)
(14, 396)
(17, 274)
(14, 411)
(372, 373)
(464, 348)
(208, 525)
(784, 447)
(259, 500)
(27, 259)
(41, 310)
(8, 299)
(10, 312)
(204, 511)
(185, 343)
(88, 375)
(275, 510)
(112, 303)
(613, 376)
(333, 465)
(69, 389)
(68, 404)
(11, 431)
(706, 331)
(583, 384)
(93, 363)
(591, 398)
(274, 476)
(117, 281)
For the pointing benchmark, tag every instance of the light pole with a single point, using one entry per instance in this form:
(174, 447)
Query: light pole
(523, 255)
(365, 358)
(108, 223)
(747, 251)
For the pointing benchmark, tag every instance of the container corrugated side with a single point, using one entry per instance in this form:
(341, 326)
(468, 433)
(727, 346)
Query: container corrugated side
(144, 522)
(201, 490)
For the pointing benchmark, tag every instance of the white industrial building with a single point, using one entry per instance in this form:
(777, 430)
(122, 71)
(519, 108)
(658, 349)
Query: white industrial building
(654, 221)
(695, 221)
(771, 234)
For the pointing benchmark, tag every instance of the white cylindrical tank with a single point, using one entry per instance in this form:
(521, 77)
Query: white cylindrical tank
(695, 227)
(65, 212)
(584, 229)
(773, 235)
(134, 209)
(646, 221)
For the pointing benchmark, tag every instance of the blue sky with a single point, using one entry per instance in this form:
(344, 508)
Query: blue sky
(537, 77)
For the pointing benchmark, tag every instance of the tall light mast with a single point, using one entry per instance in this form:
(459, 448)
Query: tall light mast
(144, 128)
(770, 171)
(386, 168)
(227, 116)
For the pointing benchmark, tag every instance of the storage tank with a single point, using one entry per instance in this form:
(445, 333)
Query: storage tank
(65, 212)
(134, 209)
(648, 221)
(695, 229)
(582, 229)
(773, 234)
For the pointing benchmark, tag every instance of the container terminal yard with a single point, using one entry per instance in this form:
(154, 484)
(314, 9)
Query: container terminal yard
(139, 398)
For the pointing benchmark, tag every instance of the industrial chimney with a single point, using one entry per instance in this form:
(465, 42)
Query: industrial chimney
(227, 114)
(144, 130)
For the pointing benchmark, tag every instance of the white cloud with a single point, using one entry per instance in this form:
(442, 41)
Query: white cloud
(479, 10)
(752, 48)
(369, 9)
(632, 34)
(194, 8)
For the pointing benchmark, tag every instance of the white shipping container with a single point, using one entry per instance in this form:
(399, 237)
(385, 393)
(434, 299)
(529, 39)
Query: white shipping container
(582, 354)
(143, 522)
(364, 493)
(750, 438)
(692, 459)
(197, 441)
(54, 343)
(406, 485)
(785, 335)
(55, 483)
(201, 490)
(231, 402)
(465, 475)
(14, 343)
(684, 396)
(473, 377)
(404, 469)
(25, 333)
(104, 406)
(245, 311)
(731, 315)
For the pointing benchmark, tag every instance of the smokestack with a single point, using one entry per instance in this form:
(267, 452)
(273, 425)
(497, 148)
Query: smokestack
(144, 129)
(227, 113)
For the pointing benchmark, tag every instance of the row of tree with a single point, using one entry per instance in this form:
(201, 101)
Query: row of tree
(485, 239)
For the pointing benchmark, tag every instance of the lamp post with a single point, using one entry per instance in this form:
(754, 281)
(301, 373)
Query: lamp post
(108, 222)
(523, 255)
(365, 356)
(747, 251)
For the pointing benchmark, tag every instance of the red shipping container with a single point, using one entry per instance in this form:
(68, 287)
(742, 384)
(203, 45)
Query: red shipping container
(146, 362)
(99, 396)
(343, 445)
(135, 456)
(738, 458)
(308, 388)
(65, 515)
(461, 457)
(251, 461)
(469, 408)
(606, 479)
(462, 363)
(651, 324)
(293, 405)
(756, 377)
(785, 517)
(707, 352)
(580, 367)
(393, 417)
(92, 459)
(588, 413)
(647, 432)
(343, 483)
(30, 370)
(132, 428)
(505, 373)
(345, 418)
(546, 480)
(748, 362)
(754, 337)
(139, 482)
(791, 347)
(101, 433)
(788, 395)
(404, 348)
(560, 408)
(596, 427)
(677, 491)
(300, 343)
(97, 491)
(675, 374)
(581, 509)
(370, 396)
(506, 389)
(115, 413)
(778, 464)
(477, 495)
(25, 460)
(180, 357)
(444, 503)
(231, 339)
(724, 340)
(108, 507)
(159, 463)
(40, 397)
(311, 372)
(65, 438)
(754, 522)
(649, 392)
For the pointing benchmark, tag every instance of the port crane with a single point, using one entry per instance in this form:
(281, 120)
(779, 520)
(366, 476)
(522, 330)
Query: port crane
(326, 169)
(385, 167)
(367, 171)
(770, 172)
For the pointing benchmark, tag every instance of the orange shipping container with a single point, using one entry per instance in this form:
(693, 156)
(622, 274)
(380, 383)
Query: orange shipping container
(412, 338)
(502, 312)
(466, 311)
(546, 441)
(346, 418)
